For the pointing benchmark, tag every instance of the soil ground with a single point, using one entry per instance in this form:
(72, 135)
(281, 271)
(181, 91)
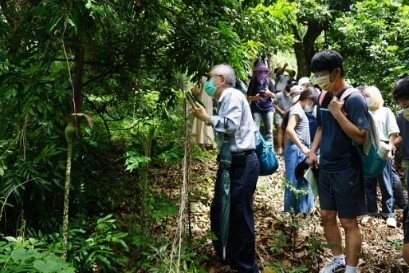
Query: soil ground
(287, 243)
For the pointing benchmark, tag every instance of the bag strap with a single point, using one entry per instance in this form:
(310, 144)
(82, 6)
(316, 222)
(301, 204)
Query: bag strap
(322, 96)
(345, 92)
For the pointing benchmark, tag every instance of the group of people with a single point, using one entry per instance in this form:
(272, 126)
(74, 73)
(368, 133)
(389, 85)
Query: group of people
(320, 133)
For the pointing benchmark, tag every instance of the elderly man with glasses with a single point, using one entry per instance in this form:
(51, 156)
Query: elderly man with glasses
(234, 123)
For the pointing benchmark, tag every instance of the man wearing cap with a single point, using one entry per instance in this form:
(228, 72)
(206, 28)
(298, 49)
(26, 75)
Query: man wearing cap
(260, 94)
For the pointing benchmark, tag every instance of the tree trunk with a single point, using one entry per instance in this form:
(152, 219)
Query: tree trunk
(78, 76)
(304, 47)
(67, 199)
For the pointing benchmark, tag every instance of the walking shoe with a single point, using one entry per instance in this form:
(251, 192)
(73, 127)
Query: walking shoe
(335, 266)
(366, 219)
(391, 222)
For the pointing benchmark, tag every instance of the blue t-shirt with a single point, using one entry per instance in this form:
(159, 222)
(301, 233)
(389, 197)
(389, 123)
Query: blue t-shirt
(264, 104)
(403, 125)
(336, 149)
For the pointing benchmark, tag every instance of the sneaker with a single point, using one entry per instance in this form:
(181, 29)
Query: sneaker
(391, 222)
(366, 219)
(335, 266)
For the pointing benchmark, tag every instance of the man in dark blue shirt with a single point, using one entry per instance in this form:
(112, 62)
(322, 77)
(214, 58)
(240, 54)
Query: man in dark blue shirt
(340, 187)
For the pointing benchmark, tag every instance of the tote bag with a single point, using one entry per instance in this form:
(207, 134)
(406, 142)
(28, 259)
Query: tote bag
(266, 156)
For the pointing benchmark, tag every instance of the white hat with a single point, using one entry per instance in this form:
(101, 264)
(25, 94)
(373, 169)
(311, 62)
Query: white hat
(303, 80)
(296, 89)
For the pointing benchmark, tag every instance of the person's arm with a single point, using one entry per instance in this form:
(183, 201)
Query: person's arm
(392, 147)
(270, 94)
(398, 140)
(356, 134)
(251, 90)
(200, 113)
(290, 131)
(312, 155)
(393, 131)
(278, 108)
(253, 98)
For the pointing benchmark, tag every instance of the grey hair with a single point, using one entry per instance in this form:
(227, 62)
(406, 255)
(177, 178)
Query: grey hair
(227, 71)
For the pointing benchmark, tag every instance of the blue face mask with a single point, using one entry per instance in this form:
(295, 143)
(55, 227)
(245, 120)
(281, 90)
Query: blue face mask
(210, 88)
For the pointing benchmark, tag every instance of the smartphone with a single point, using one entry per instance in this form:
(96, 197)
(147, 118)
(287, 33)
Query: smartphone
(192, 99)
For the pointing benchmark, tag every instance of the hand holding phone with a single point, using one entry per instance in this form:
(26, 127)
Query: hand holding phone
(192, 99)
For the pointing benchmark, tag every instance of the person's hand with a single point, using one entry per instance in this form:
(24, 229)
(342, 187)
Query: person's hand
(335, 106)
(312, 160)
(283, 113)
(199, 112)
(305, 150)
(270, 94)
(391, 154)
(258, 96)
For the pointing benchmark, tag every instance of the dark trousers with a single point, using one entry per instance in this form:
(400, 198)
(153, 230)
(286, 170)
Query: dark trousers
(398, 196)
(241, 241)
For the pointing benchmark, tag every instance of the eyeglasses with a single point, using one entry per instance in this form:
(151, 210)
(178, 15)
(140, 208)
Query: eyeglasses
(209, 76)
(318, 75)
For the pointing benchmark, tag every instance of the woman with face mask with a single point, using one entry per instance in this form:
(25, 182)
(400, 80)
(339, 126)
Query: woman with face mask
(388, 131)
(260, 94)
(297, 147)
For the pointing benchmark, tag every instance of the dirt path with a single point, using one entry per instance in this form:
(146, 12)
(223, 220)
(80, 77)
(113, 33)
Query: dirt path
(296, 244)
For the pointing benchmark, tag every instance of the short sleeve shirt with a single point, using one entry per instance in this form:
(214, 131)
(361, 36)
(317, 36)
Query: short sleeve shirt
(302, 128)
(283, 101)
(264, 104)
(385, 123)
(403, 125)
(336, 149)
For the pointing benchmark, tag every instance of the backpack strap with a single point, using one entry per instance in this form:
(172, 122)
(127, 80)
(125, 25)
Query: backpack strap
(345, 93)
(348, 92)
(322, 96)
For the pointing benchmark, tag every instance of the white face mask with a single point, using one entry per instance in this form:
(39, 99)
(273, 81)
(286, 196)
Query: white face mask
(405, 113)
(369, 102)
(309, 108)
